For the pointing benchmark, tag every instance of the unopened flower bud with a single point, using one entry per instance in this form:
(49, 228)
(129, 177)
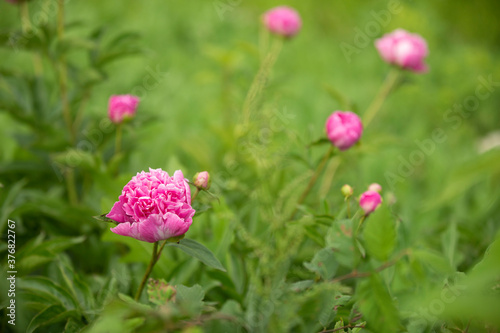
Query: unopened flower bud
(403, 49)
(122, 107)
(202, 180)
(160, 292)
(283, 21)
(375, 187)
(346, 191)
(344, 129)
(369, 201)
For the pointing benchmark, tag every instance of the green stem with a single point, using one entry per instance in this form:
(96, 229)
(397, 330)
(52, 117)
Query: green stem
(25, 17)
(312, 181)
(359, 225)
(195, 194)
(118, 139)
(379, 99)
(27, 28)
(71, 187)
(260, 80)
(63, 74)
(154, 259)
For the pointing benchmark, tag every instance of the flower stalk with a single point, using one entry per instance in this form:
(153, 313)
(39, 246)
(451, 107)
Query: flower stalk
(381, 96)
(154, 259)
(313, 180)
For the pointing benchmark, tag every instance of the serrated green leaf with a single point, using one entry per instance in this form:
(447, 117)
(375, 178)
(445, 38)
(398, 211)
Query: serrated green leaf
(377, 305)
(190, 299)
(324, 263)
(380, 234)
(199, 252)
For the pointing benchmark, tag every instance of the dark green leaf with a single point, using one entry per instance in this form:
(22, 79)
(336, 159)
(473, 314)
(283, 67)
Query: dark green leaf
(199, 252)
(380, 233)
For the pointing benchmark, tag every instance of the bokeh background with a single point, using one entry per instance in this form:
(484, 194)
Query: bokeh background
(206, 53)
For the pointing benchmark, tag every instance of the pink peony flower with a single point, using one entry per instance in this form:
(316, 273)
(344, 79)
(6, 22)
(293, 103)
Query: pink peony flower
(369, 201)
(122, 107)
(344, 128)
(403, 49)
(283, 20)
(202, 180)
(153, 206)
(375, 187)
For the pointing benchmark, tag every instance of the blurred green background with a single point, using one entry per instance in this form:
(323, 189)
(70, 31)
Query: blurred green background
(207, 53)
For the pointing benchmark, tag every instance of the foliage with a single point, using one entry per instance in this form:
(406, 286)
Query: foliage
(258, 257)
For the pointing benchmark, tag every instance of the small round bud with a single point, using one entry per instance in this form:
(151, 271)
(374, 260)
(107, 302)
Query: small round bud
(346, 191)
(375, 187)
(202, 180)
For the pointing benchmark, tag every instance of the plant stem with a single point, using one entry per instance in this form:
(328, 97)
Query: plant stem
(118, 139)
(360, 223)
(25, 17)
(27, 28)
(63, 74)
(154, 259)
(312, 181)
(379, 99)
(71, 187)
(260, 80)
(195, 194)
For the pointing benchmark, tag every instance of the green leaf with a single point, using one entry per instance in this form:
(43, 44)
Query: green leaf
(377, 305)
(51, 314)
(433, 260)
(199, 252)
(190, 299)
(380, 234)
(103, 218)
(319, 142)
(35, 254)
(449, 242)
(41, 285)
(323, 263)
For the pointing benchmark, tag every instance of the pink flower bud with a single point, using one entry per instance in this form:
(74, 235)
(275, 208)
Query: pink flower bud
(344, 128)
(283, 20)
(403, 49)
(346, 191)
(202, 180)
(122, 107)
(369, 201)
(375, 187)
(153, 206)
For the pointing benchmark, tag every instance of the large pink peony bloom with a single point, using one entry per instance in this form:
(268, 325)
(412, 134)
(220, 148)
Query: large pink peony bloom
(122, 107)
(403, 49)
(153, 206)
(283, 20)
(369, 201)
(344, 128)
